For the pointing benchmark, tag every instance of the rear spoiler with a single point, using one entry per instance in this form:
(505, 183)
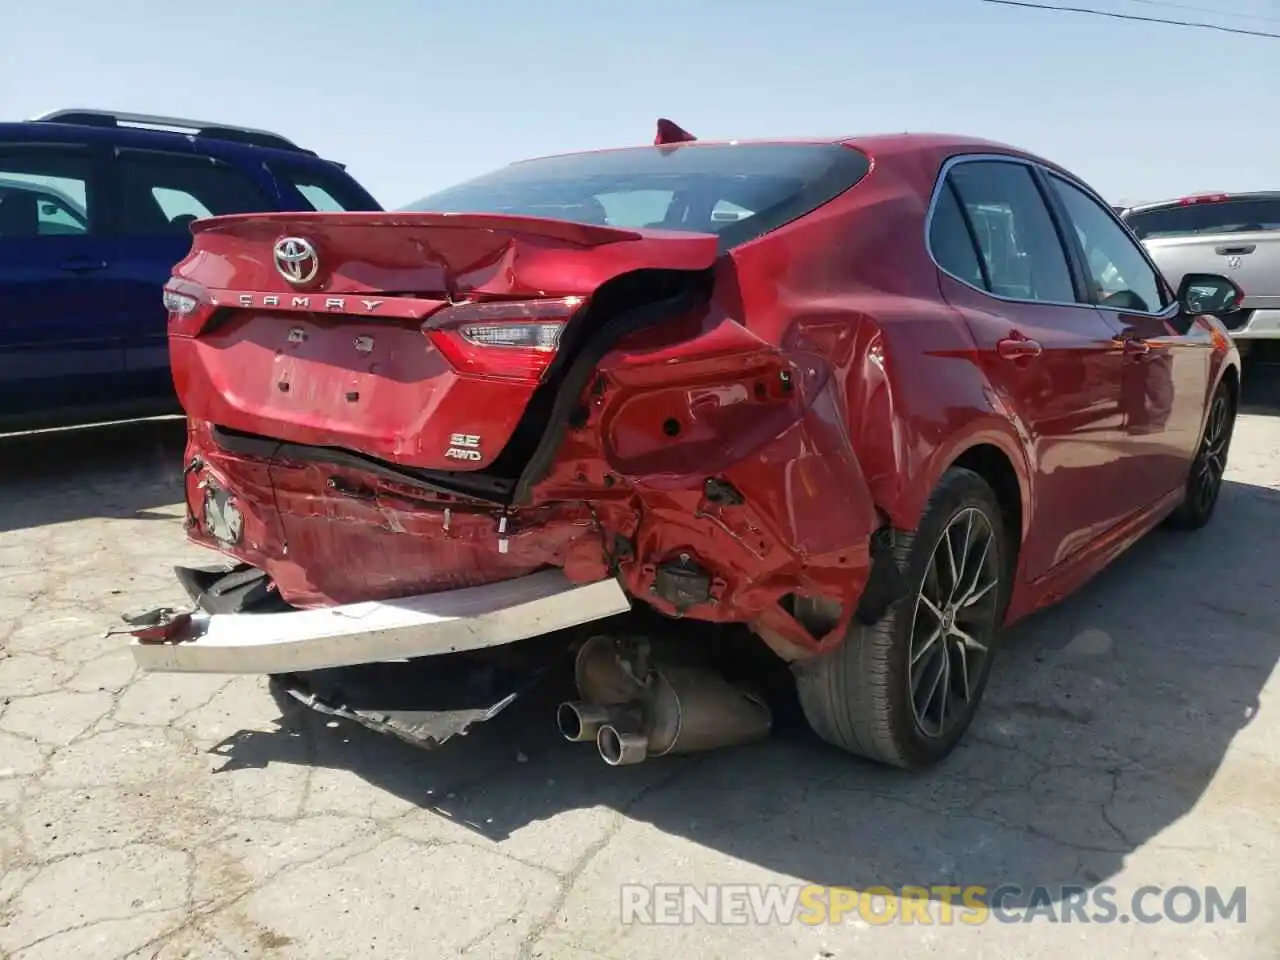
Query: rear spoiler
(263, 226)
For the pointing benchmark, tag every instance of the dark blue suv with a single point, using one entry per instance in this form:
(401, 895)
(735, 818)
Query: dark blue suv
(95, 209)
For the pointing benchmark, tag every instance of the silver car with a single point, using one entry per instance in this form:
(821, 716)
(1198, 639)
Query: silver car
(1233, 234)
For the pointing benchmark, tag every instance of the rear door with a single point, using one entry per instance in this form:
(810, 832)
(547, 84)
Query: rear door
(59, 332)
(156, 196)
(1050, 357)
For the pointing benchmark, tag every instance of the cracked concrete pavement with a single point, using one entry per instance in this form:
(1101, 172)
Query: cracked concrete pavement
(1129, 737)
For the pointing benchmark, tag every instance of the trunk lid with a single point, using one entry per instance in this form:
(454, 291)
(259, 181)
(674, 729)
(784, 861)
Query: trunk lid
(414, 338)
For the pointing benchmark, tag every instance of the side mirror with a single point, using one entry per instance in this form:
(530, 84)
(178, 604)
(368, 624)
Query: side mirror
(1209, 293)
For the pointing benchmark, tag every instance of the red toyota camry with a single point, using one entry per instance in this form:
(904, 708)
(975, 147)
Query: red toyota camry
(871, 399)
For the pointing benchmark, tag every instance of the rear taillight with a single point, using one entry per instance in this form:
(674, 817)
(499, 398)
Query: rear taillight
(505, 340)
(188, 307)
(180, 303)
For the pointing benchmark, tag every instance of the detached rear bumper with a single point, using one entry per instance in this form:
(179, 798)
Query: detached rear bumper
(440, 623)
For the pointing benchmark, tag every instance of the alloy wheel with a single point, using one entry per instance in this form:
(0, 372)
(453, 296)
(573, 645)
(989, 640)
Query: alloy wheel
(954, 622)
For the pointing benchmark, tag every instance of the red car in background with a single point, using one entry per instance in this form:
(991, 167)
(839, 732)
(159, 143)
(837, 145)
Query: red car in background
(872, 399)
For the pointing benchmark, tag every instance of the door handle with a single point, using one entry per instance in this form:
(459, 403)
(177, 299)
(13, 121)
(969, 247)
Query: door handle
(1228, 251)
(1134, 346)
(82, 265)
(1015, 348)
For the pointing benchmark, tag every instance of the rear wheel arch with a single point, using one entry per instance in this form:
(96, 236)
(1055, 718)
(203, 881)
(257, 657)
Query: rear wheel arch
(996, 455)
(994, 465)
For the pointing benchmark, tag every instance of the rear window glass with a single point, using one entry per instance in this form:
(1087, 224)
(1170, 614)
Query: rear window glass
(326, 191)
(738, 191)
(161, 194)
(1227, 216)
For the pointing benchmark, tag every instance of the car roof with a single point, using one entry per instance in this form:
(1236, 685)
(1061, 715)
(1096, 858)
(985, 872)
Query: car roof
(145, 130)
(880, 144)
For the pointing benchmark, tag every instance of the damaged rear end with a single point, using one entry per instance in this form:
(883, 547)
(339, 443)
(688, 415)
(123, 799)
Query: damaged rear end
(428, 433)
(366, 429)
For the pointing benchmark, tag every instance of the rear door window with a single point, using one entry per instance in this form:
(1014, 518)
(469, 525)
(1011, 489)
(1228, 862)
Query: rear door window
(45, 193)
(160, 194)
(1021, 251)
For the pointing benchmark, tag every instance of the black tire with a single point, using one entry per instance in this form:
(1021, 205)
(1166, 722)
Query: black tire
(1204, 481)
(861, 697)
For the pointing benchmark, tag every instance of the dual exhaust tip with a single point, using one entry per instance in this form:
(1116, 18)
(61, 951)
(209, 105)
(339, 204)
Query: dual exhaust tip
(615, 731)
(634, 706)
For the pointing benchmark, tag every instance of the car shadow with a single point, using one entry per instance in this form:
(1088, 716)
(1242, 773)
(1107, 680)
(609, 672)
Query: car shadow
(1106, 719)
(119, 470)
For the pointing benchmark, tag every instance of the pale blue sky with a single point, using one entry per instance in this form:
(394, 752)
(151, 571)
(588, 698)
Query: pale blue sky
(414, 95)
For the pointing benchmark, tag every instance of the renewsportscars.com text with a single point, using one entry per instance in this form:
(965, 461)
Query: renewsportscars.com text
(763, 905)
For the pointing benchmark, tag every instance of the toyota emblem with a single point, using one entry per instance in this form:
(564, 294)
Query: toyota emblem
(296, 260)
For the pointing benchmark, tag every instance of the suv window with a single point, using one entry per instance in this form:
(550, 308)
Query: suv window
(1020, 246)
(161, 194)
(1247, 214)
(44, 193)
(1119, 275)
(58, 218)
(324, 191)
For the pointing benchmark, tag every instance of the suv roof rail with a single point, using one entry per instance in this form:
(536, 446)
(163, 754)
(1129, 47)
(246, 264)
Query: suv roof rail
(201, 128)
